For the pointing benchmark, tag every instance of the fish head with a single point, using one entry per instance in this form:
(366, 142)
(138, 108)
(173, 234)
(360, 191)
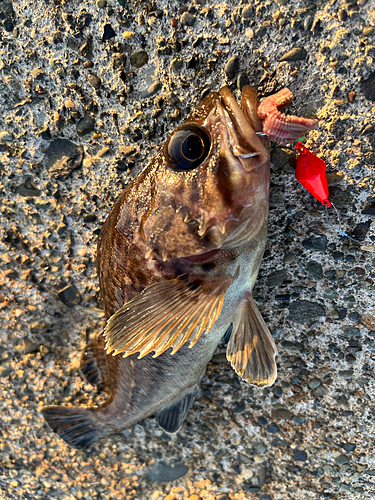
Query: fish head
(211, 183)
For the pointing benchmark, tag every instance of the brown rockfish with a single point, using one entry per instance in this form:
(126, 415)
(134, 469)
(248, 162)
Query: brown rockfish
(177, 260)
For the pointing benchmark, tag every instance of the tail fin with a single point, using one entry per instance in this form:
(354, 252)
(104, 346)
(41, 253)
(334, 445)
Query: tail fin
(76, 426)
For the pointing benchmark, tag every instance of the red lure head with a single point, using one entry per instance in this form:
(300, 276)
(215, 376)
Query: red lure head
(311, 173)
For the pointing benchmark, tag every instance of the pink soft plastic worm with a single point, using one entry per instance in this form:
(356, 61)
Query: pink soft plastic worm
(280, 127)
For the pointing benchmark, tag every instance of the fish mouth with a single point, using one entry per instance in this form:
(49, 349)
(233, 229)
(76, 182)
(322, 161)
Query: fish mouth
(244, 130)
(245, 151)
(202, 257)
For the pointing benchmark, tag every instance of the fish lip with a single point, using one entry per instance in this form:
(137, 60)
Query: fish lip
(244, 141)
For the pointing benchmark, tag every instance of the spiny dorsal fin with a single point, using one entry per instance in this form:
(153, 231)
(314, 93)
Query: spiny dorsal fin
(165, 315)
(171, 417)
(251, 349)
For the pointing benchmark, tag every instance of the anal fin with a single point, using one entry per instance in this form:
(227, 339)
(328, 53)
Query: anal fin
(251, 349)
(76, 426)
(170, 418)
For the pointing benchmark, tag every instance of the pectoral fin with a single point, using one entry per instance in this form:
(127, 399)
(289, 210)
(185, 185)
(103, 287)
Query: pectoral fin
(251, 349)
(165, 315)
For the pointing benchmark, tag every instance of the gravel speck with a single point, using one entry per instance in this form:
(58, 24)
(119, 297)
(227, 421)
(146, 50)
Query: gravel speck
(69, 295)
(94, 80)
(296, 54)
(85, 125)
(6, 136)
(316, 242)
(187, 19)
(63, 157)
(231, 66)
(368, 87)
(304, 311)
(163, 472)
(139, 59)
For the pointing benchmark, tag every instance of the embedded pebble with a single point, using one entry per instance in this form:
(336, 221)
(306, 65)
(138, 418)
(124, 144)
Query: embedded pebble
(85, 125)
(231, 66)
(176, 63)
(316, 242)
(296, 54)
(368, 87)
(304, 311)
(94, 80)
(315, 269)
(62, 158)
(247, 12)
(28, 188)
(163, 472)
(69, 295)
(187, 19)
(139, 59)
(6, 136)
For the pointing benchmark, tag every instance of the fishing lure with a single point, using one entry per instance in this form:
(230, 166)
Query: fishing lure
(311, 173)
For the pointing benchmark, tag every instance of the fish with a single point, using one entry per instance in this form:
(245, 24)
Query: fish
(177, 260)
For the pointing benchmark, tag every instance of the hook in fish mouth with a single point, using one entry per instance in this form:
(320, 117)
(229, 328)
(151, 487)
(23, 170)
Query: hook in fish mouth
(249, 155)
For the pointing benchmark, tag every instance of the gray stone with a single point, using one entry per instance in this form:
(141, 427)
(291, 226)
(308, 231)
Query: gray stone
(85, 125)
(27, 346)
(348, 447)
(244, 459)
(242, 80)
(247, 12)
(277, 277)
(281, 156)
(27, 188)
(89, 218)
(94, 80)
(314, 383)
(320, 391)
(368, 87)
(11, 274)
(282, 413)
(304, 311)
(316, 242)
(315, 269)
(6, 136)
(296, 54)
(231, 67)
(63, 157)
(300, 455)
(152, 90)
(187, 19)
(69, 295)
(342, 459)
(139, 59)
(360, 230)
(163, 472)
(369, 30)
(38, 73)
(176, 63)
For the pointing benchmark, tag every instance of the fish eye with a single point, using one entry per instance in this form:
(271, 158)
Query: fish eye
(187, 148)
